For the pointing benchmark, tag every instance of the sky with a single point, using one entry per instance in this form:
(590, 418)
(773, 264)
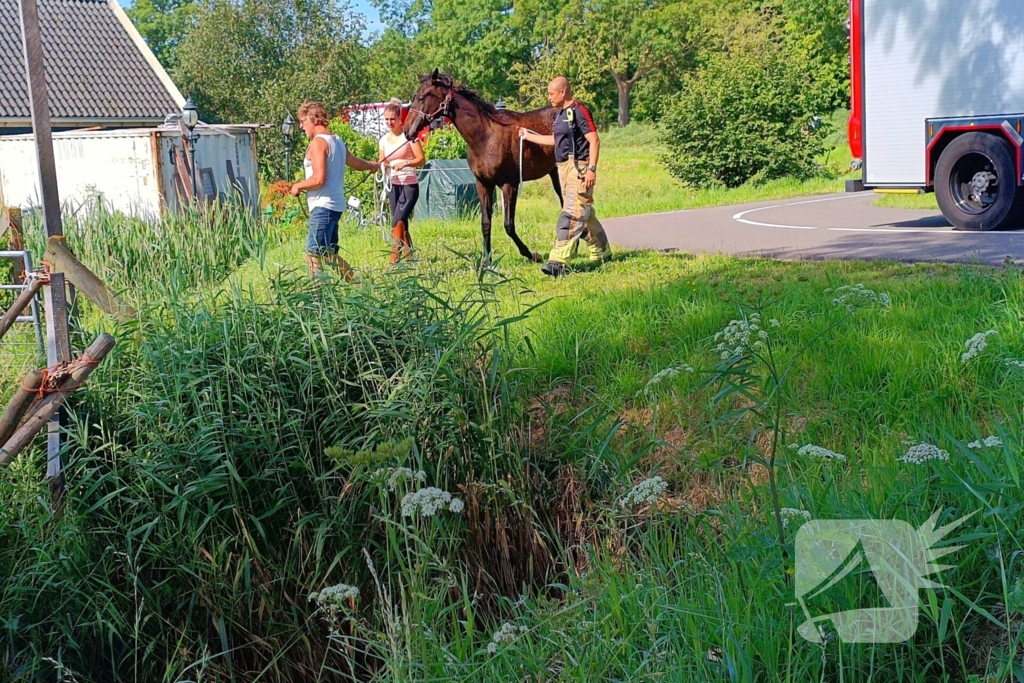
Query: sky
(373, 23)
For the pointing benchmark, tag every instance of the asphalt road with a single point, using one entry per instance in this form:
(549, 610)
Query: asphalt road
(841, 226)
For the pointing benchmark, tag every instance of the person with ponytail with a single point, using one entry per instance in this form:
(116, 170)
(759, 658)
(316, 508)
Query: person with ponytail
(401, 157)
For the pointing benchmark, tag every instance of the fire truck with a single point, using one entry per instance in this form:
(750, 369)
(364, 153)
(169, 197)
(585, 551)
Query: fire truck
(938, 104)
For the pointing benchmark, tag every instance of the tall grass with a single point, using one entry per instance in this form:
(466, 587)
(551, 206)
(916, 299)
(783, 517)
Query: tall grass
(169, 257)
(218, 473)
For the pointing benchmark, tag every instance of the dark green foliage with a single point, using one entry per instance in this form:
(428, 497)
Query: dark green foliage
(258, 60)
(163, 23)
(745, 116)
(445, 143)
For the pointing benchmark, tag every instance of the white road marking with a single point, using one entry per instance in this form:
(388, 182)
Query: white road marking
(739, 218)
(931, 231)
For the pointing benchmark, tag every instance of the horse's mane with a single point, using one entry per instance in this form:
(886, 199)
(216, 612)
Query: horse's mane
(486, 108)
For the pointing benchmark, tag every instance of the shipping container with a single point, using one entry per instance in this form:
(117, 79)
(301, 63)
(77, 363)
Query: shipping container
(141, 172)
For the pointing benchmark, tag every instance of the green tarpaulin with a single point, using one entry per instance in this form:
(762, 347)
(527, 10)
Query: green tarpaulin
(447, 190)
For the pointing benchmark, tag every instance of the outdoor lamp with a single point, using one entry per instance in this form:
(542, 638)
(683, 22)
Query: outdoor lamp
(190, 117)
(286, 141)
(189, 114)
(500, 104)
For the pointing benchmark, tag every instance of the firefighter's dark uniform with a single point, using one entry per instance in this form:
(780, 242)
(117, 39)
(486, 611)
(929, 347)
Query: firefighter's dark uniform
(577, 220)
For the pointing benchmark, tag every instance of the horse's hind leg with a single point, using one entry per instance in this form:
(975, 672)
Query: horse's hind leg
(511, 195)
(557, 184)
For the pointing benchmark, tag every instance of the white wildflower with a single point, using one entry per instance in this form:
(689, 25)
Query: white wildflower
(988, 442)
(646, 491)
(1014, 362)
(506, 634)
(923, 452)
(334, 598)
(740, 337)
(852, 296)
(819, 453)
(975, 345)
(791, 514)
(793, 446)
(455, 506)
(426, 502)
(667, 374)
(774, 323)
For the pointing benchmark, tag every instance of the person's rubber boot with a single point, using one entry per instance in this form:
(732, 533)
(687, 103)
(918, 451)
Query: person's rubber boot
(397, 234)
(554, 269)
(599, 255)
(313, 264)
(407, 251)
(343, 267)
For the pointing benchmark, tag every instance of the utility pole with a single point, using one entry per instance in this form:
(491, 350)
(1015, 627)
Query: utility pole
(58, 347)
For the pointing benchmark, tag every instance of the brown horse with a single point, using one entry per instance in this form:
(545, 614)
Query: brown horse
(492, 136)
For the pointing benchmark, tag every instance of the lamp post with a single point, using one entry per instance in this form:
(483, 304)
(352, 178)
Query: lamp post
(286, 141)
(190, 117)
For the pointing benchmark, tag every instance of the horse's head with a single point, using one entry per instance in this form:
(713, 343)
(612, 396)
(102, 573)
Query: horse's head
(432, 101)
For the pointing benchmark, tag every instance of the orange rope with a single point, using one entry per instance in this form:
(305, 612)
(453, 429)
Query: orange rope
(55, 375)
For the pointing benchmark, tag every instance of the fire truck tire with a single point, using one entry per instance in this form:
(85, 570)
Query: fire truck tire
(976, 183)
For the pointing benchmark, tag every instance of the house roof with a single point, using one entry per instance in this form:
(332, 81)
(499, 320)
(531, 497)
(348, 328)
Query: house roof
(98, 68)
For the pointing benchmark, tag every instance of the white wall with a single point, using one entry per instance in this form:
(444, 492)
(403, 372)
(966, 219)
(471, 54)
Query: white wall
(131, 170)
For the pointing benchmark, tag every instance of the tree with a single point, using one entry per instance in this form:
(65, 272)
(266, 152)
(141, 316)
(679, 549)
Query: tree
(163, 23)
(479, 41)
(391, 67)
(257, 60)
(629, 39)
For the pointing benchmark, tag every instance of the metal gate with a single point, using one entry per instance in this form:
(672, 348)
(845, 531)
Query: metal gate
(26, 265)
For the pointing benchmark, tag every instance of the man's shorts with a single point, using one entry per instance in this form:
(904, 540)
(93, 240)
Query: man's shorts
(323, 231)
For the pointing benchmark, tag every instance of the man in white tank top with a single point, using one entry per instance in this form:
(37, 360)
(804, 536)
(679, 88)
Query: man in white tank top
(324, 186)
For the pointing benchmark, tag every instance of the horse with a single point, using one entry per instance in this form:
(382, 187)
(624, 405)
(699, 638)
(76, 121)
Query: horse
(492, 136)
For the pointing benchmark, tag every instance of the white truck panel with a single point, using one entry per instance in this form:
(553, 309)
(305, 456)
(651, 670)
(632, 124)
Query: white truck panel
(929, 59)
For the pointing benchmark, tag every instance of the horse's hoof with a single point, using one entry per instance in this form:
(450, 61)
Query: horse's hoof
(536, 257)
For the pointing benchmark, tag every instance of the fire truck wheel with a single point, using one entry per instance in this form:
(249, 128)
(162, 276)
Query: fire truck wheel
(975, 182)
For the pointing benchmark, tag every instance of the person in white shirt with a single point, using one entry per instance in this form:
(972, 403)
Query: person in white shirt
(402, 157)
(324, 186)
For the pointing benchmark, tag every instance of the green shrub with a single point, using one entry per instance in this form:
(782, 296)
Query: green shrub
(445, 143)
(744, 116)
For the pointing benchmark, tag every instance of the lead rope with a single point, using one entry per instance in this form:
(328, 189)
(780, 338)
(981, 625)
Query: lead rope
(504, 203)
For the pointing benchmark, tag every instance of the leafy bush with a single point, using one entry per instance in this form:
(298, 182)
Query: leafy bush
(744, 116)
(445, 143)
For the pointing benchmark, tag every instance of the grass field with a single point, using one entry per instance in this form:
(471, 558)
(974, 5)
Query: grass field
(620, 484)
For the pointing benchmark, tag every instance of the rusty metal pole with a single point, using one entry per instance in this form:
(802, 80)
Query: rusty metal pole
(57, 346)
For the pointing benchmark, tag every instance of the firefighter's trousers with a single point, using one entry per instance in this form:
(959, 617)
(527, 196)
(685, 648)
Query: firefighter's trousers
(577, 220)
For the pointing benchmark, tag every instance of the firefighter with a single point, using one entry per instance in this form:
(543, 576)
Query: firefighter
(576, 152)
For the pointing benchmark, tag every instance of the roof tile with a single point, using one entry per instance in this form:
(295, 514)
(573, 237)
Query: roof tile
(93, 68)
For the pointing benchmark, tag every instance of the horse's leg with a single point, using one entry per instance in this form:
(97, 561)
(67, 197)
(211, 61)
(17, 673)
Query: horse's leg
(557, 184)
(486, 194)
(511, 195)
